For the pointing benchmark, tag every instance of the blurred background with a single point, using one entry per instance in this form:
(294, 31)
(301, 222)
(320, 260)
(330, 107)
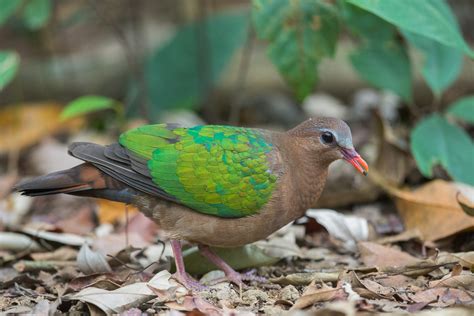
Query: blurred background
(401, 73)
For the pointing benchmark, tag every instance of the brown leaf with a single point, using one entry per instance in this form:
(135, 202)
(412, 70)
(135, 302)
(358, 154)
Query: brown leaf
(111, 212)
(313, 295)
(465, 259)
(373, 254)
(62, 253)
(90, 262)
(461, 281)
(433, 210)
(466, 204)
(393, 161)
(442, 296)
(105, 281)
(22, 125)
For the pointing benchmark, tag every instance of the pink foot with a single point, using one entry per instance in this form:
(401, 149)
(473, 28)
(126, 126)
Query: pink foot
(189, 282)
(231, 275)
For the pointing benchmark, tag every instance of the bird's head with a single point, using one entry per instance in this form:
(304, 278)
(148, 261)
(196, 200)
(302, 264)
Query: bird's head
(330, 139)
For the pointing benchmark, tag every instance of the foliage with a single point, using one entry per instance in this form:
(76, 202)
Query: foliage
(9, 62)
(89, 104)
(463, 109)
(437, 141)
(300, 33)
(180, 73)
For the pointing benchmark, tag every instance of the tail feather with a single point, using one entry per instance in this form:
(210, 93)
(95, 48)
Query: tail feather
(83, 180)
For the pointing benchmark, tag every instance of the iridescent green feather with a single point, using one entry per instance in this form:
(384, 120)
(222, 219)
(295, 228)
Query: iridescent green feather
(216, 170)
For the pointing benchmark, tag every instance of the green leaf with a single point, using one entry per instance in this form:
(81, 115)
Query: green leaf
(248, 256)
(87, 104)
(435, 141)
(442, 63)
(300, 33)
(7, 8)
(430, 18)
(182, 72)
(463, 109)
(9, 62)
(366, 25)
(386, 66)
(36, 13)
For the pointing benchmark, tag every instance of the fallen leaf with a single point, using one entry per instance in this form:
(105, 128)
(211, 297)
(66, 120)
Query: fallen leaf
(461, 281)
(465, 197)
(18, 242)
(62, 253)
(90, 262)
(105, 281)
(13, 208)
(248, 256)
(393, 159)
(433, 210)
(442, 296)
(349, 229)
(62, 238)
(41, 119)
(465, 259)
(112, 212)
(116, 301)
(313, 295)
(373, 254)
(305, 278)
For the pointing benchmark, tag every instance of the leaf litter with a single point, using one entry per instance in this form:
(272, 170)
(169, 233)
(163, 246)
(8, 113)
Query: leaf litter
(332, 262)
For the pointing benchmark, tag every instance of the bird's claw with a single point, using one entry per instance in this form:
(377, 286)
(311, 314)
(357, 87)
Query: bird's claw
(239, 278)
(189, 282)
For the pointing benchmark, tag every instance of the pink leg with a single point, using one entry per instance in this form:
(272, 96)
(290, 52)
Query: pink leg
(181, 274)
(230, 273)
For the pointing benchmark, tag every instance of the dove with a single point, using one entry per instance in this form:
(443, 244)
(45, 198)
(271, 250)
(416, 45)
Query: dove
(211, 185)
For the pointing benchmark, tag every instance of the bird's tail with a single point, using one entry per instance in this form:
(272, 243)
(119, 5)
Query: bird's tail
(83, 180)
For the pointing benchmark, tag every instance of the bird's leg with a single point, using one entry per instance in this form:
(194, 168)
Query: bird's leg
(230, 273)
(181, 274)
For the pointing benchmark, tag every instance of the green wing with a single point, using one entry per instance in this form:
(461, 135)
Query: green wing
(216, 170)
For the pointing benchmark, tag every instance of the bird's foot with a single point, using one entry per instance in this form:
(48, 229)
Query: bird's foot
(189, 282)
(239, 278)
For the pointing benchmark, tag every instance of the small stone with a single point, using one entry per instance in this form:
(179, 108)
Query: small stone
(251, 296)
(289, 293)
(273, 310)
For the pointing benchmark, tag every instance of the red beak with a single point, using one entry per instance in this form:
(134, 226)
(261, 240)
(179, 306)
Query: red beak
(351, 156)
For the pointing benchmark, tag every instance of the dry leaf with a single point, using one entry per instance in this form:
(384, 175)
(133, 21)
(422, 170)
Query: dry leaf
(433, 210)
(465, 259)
(62, 238)
(116, 301)
(393, 161)
(465, 198)
(373, 254)
(90, 262)
(62, 253)
(305, 278)
(111, 212)
(22, 125)
(314, 295)
(461, 281)
(349, 229)
(17, 242)
(442, 296)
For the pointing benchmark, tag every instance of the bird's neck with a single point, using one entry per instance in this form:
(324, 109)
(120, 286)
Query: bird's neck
(306, 172)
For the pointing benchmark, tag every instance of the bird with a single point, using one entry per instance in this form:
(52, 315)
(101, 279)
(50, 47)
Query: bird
(211, 185)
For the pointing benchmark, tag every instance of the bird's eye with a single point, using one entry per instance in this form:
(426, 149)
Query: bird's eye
(327, 138)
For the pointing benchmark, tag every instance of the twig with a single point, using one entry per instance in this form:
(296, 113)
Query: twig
(234, 116)
(130, 56)
(31, 266)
